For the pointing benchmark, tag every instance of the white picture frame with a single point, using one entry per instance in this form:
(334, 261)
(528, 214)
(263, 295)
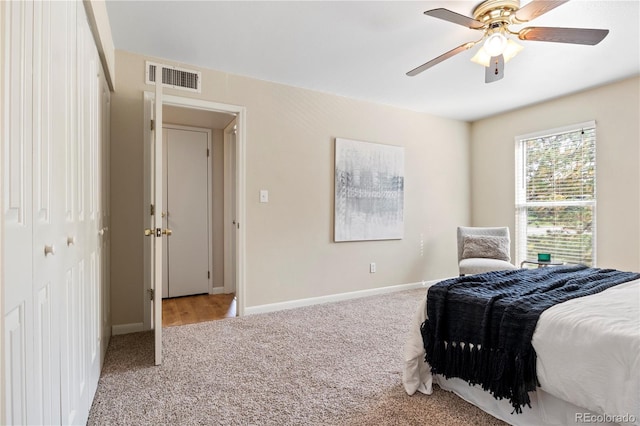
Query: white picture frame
(369, 191)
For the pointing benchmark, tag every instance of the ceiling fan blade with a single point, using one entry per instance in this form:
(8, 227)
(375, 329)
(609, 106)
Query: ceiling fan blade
(495, 70)
(440, 58)
(536, 8)
(588, 36)
(454, 17)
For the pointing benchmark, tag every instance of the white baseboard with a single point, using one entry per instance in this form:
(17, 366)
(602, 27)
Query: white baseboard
(272, 307)
(217, 290)
(127, 328)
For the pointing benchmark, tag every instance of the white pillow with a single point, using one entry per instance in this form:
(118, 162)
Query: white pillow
(486, 246)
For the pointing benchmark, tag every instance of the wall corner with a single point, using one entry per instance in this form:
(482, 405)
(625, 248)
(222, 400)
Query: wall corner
(98, 18)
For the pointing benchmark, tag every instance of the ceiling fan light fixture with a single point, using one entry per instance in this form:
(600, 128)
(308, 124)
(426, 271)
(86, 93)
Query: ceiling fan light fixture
(495, 44)
(483, 58)
(511, 50)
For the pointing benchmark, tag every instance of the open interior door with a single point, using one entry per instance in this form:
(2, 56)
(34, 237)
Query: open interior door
(230, 215)
(155, 230)
(159, 202)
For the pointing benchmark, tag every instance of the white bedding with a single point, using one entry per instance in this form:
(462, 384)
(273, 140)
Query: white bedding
(588, 353)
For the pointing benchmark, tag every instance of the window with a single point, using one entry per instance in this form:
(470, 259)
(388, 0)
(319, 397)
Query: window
(556, 194)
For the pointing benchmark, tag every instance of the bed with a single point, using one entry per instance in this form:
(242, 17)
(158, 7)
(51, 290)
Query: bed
(587, 365)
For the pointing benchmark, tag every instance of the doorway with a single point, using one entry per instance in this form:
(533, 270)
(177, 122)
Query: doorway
(190, 107)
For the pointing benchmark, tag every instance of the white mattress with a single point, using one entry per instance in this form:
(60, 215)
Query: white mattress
(588, 355)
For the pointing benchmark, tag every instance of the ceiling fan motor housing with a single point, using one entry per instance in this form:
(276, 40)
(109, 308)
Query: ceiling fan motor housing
(496, 11)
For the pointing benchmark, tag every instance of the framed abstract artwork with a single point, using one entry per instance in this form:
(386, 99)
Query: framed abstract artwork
(369, 191)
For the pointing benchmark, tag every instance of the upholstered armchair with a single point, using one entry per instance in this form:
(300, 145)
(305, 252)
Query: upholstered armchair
(483, 249)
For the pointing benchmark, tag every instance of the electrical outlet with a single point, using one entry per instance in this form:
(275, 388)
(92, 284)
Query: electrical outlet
(372, 267)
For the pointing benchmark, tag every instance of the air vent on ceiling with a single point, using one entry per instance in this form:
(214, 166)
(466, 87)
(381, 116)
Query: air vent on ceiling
(174, 77)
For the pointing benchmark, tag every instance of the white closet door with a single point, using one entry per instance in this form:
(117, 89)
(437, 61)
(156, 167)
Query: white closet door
(51, 189)
(93, 230)
(187, 212)
(48, 155)
(18, 214)
(70, 351)
(105, 218)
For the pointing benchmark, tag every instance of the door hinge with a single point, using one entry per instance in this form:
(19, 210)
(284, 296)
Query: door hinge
(207, 152)
(208, 274)
(152, 210)
(153, 125)
(152, 293)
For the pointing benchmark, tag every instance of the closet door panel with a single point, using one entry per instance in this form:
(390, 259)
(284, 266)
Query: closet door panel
(88, 95)
(18, 116)
(69, 318)
(17, 193)
(68, 356)
(48, 242)
(104, 193)
(42, 111)
(18, 27)
(86, 292)
(80, 368)
(15, 365)
(94, 230)
(69, 57)
(44, 402)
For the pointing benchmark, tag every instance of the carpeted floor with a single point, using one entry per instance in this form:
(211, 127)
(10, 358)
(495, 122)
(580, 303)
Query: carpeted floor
(331, 364)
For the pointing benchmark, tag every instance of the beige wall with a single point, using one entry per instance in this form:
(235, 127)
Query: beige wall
(290, 148)
(615, 108)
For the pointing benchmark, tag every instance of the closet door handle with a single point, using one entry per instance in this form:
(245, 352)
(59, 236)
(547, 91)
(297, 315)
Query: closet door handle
(49, 250)
(71, 241)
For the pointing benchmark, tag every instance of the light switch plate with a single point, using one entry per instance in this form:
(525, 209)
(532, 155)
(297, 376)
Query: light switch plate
(264, 196)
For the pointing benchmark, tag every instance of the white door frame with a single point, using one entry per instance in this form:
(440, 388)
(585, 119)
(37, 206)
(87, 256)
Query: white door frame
(2, 146)
(241, 117)
(209, 191)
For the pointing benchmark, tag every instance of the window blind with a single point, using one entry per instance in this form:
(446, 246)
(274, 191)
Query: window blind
(556, 194)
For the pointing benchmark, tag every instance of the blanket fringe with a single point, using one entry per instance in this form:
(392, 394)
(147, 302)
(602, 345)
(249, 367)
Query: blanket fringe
(500, 372)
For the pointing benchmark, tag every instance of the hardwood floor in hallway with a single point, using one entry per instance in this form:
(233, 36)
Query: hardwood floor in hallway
(199, 308)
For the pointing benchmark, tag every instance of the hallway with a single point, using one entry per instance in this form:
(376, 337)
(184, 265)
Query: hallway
(199, 308)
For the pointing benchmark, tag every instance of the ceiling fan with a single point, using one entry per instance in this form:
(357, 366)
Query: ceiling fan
(493, 18)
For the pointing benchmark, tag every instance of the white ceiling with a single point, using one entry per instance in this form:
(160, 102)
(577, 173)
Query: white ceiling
(363, 49)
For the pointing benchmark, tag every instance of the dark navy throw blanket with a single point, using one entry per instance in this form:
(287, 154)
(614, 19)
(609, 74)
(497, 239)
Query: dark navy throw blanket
(479, 327)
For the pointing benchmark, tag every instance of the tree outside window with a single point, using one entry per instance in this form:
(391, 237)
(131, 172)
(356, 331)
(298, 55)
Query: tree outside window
(556, 194)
